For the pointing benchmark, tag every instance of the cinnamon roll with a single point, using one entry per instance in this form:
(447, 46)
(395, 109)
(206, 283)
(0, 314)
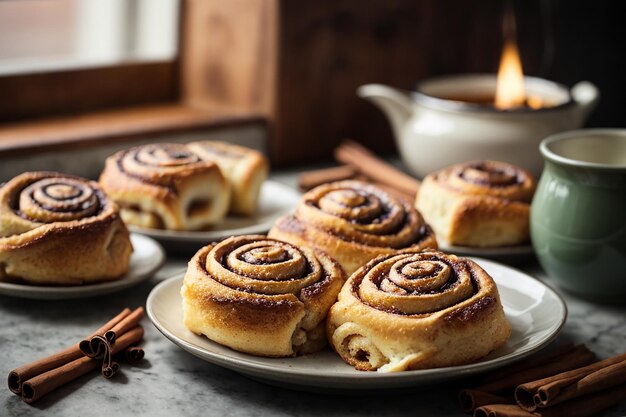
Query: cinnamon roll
(60, 229)
(478, 204)
(260, 296)
(245, 168)
(166, 186)
(354, 222)
(417, 310)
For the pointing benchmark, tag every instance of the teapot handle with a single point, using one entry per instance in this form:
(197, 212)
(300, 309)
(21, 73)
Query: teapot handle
(586, 96)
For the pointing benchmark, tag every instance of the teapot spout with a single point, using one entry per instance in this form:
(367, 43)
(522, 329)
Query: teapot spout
(586, 97)
(396, 104)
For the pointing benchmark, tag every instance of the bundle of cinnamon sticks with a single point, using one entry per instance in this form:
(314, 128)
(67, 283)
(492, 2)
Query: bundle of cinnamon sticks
(565, 382)
(119, 336)
(359, 163)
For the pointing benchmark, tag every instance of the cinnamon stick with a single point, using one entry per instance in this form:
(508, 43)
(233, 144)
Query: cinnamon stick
(42, 384)
(599, 380)
(311, 179)
(94, 347)
(110, 370)
(123, 326)
(550, 386)
(351, 153)
(18, 376)
(134, 355)
(38, 386)
(585, 406)
(472, 399)
(544, 358)
(501, 383)
(580, 356)
(501, 410)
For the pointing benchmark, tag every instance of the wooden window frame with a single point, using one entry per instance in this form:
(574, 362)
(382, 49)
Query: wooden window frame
(47, 111)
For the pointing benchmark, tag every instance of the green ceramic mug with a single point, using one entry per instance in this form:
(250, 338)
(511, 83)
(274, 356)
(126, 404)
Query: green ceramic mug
(578, 214)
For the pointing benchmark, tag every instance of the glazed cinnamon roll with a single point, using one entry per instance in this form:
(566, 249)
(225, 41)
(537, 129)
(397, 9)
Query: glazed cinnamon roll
(245, 168)
(417, 310)
(353, 222)
(59, 229)
(166, 186)
(260, 296)
(479, 204)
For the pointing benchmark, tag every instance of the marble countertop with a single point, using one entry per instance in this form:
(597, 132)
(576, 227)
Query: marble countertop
(171, 381)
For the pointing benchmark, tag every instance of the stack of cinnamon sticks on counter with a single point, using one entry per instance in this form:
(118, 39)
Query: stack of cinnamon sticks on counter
(565, 382)
(359, 163)
(118, 337)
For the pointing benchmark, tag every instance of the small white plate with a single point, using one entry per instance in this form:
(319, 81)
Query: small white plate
(500, 254)
(275, 200)
(146, 259)
(535, 311)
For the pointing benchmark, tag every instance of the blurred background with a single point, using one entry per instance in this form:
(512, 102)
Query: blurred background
(279, 75)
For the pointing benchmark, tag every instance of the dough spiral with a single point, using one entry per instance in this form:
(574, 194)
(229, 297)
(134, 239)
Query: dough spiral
(354, 222)
(478, 204)
(417, 310)
(60, 229)
(492, 178)
(166, 186)
(260, 295)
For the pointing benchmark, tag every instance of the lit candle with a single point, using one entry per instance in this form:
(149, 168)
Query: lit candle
(510, 91)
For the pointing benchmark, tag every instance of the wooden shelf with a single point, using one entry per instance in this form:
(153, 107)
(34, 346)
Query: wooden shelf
(121, 125)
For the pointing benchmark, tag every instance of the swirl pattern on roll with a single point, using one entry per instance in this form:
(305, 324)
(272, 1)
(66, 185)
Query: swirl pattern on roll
(494, 178)
(359, 211)
(166, 186)
(478, 204)
(416, 283)
(158, 163)
(260, 295)
(354, 222)
(45, 215)
(59, 199)
(263, 266)
(416, 310)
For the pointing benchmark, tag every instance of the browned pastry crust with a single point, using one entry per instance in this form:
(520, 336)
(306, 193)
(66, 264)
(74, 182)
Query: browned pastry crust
(478, 204)
(245, 168)
(261, 296)
(417, 310)
(166, 186)
(61, 230)
(354, 222)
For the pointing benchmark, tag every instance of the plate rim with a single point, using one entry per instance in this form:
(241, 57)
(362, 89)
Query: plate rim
(47, 292)
(519, 250)
(249, 365)
(191, 236)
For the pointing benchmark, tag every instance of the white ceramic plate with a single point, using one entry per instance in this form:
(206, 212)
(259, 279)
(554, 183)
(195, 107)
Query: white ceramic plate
(535, 312)
(501, 254)
(275, 200)
(146, 259)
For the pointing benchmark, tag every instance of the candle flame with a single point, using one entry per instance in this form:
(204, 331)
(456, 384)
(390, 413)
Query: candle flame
(510, 86)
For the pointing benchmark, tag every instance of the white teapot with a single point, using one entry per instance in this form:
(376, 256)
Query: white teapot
(438, 124)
